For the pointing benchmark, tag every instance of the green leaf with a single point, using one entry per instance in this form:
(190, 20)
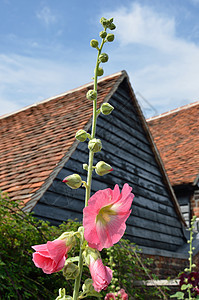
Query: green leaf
(72, 259)
(178, 295)
(186, 286)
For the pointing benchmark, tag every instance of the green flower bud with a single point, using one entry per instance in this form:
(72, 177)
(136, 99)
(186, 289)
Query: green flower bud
(90, 252)
(70, 270)
(94, 43)
(81, 135)
(103, 34)
(106, 108)
(70, 239)
(85, 167)
(74, 181)
(103, 57)
(91, 95)
(112, 26)
(100, 71)
(110, 37)
(95, 145)
(88, 286)
(103, 21)
(103, 168)
(63, 296)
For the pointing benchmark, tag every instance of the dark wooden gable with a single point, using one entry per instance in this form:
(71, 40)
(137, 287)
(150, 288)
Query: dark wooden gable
(154, 221)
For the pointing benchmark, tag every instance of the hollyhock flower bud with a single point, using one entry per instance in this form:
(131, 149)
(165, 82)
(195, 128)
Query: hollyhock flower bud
(63, 296)
(50, 257)
(95, 145)
(112, 26)
(100, 274)
(85, 167)
(88, 286)
(110, 37)
(74, 181)
(103, 57)
(106, 108)
(94, 43)
(90, 252)
(70, 270)
(103, 34)
(69, 238)
(81, 135)
(103, 21)
(103, 168)
(105, 216)
(91, 95)
(100, 71)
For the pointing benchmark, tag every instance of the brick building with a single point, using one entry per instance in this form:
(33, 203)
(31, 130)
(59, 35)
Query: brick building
(176, 134)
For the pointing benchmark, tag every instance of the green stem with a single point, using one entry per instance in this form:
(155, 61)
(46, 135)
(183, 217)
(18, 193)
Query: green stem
(93, 131)
(191, 253)
(89, 174)
(78, 279)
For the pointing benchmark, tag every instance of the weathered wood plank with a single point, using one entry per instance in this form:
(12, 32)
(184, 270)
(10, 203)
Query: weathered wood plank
(124, 141)
(153, 221)
(81, 156)
(55, 213)
(135, 221)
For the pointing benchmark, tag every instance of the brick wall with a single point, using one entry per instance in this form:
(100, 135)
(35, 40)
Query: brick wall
(164, 266)
(195, 203)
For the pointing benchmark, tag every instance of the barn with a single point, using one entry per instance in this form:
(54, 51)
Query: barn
(38, 149)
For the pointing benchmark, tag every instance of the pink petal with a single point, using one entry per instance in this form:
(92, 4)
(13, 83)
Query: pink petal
(57, 249)
(46, 264)
(42, 249)
(60, 264)
(101, 275)
(104, 233)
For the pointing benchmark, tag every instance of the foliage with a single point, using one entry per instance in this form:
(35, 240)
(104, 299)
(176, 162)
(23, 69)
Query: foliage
(128, 265)
(19, 279)
(189, 280)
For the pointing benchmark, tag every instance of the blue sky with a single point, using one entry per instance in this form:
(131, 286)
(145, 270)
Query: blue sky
(45, 51)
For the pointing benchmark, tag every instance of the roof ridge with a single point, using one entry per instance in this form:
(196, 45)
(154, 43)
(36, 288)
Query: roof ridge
(62, 94)
(174, 110)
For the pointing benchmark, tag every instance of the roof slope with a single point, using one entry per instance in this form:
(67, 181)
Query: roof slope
(35, 140)
(176, 135)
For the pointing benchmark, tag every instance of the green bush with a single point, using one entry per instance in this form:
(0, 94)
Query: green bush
(20, 279)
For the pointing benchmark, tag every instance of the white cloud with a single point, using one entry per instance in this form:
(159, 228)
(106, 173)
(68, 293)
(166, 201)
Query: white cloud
(26, 80)
(141, 25)
(163, 67)
(46, 16)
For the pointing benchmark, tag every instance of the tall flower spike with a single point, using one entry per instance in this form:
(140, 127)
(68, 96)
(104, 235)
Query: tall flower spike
(105, 216)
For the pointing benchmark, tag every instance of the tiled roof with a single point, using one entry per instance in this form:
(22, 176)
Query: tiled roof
(35, 140)
(176, 134)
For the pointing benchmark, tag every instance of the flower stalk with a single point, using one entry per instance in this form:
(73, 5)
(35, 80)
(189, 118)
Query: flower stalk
(90, 165)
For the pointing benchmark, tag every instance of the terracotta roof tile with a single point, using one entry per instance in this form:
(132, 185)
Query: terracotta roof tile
(176, 135)
(35, 139)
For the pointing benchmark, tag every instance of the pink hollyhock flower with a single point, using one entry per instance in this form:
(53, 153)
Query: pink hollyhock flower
(109, 296)
(105, 216)
(122, 294)
(100, 274)
(50, 257)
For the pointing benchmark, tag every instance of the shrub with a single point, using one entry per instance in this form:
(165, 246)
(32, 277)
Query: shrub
(20, 279)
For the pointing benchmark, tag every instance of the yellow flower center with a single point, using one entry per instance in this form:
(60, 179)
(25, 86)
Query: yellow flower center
(105, 214)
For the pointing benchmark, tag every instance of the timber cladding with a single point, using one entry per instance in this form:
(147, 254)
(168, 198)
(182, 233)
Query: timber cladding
(154, 222)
